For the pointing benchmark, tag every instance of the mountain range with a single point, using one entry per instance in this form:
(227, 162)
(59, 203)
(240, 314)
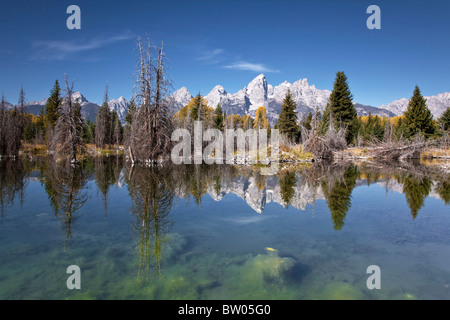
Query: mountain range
(88, 109)
(257, 93)
(437, 104)
(308, 98)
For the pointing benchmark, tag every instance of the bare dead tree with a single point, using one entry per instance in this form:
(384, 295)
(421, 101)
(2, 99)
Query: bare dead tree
(151, 126)
(323, 146)
(3, 122)
(117, 133)
(12, 124)
(67, 140)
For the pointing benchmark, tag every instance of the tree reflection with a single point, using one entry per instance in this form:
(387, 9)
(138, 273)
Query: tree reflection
(287, 181)
(152, 192)
(443, 189)
(65, 186)
(13, 174)
(337, 188)
(107, 172)
(416, 189)
(416, 180)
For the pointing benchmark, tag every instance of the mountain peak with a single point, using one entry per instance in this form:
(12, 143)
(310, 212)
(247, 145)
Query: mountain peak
(78, 97)
(258, 79)
(219, 88)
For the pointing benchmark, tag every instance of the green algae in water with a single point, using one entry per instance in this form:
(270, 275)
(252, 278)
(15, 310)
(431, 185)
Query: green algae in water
(338, 290)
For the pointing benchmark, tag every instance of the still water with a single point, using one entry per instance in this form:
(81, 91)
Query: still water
(222, 232)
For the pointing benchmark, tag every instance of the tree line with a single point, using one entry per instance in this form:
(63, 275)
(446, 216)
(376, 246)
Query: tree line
(339, 114)
(150, 121)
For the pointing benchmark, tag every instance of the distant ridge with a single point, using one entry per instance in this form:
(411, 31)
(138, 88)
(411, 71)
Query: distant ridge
(259, 93)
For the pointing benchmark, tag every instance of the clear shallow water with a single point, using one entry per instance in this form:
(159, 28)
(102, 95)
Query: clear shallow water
(207, 232)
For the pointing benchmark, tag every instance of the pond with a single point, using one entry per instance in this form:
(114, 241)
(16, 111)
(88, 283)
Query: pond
(204, 232)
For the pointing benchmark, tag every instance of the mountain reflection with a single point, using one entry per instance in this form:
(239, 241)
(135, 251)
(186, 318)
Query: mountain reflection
(152, 189)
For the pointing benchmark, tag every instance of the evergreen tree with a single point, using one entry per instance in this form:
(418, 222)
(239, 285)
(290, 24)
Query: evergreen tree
(197, 111)
(324, 123)
(399, 129)
(89, 132)
(340, 107)
(418, 118)
(287, 122)
(103, 124)
(53, 106)
(308, 120)
(444, 120)
(218, 120)
(131, 110)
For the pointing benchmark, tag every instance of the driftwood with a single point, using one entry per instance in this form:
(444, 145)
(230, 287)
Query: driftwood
(399, 151)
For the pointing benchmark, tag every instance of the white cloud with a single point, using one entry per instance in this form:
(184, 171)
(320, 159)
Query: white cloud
(211, 55)
(62, 50)
(256, 67)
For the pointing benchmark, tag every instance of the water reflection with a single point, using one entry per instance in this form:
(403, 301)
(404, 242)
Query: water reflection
(291, 187)
(337, 189)
(152, 190)
(107, 174)
(179, 253)
(65, 185)
(13, 175)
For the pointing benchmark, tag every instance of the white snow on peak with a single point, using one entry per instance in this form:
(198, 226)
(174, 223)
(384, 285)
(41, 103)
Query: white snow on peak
(78, 97)
(121, 106)
(218, 95)
(182, 96)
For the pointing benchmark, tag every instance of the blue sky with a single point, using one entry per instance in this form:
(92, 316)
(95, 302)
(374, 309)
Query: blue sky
(228, 43)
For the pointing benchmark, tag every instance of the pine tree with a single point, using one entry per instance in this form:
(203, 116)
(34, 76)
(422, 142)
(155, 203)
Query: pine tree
(287, 122)
(131, 110)
(53, 106)
(197, 111)
(218, 118)
(418, 118)
(340, 107)
(308, 120)
(444, 120)
(103, 124)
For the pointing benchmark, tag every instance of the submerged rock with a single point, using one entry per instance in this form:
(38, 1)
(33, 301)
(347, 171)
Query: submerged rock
(269, 267)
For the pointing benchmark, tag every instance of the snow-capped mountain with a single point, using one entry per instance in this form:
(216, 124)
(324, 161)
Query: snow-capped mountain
(218, 95)
(179, 98)
(259, 93)
(120, 106)
(437, 104)
(78, 97)
(88, 109)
